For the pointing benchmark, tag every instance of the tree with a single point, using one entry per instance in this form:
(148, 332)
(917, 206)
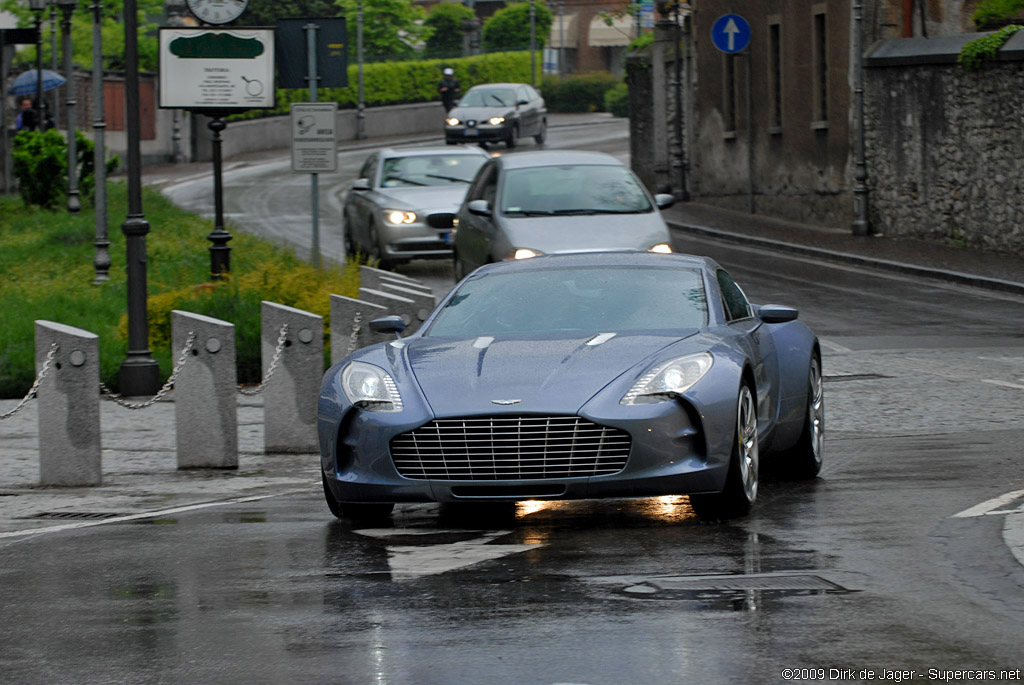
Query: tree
(391, 28)
(509, 28)
(446, 19)
(267, 12)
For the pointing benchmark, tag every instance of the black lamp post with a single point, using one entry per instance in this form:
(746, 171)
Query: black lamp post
(67, 7)
(140, 373)
(37, 6)
(101, 260)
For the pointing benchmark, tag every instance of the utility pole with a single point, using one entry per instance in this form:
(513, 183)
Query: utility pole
(101, 260)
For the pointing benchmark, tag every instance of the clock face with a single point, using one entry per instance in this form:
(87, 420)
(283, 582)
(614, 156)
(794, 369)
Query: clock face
(217, 11)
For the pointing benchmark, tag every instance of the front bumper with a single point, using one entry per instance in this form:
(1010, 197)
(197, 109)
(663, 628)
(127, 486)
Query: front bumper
(478, 134)
(417, 241)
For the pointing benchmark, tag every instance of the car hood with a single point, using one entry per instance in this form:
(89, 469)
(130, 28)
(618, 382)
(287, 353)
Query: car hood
(481, 113)
(446, 198)
(551, 234)
(465, 377)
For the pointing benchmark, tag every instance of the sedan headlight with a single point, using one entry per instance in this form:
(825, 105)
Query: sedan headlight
(397, 217)
(370, 387)
(452, 121)
(496, 121)
(525, 253)
(661, 248)
(669, 380)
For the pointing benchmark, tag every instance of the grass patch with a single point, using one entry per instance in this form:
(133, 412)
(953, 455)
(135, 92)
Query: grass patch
(46, 265)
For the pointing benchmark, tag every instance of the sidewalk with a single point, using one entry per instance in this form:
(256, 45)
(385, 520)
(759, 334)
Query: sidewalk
(139, 460)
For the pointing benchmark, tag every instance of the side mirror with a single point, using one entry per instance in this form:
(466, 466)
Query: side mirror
(777, 313)
(522, 102)
(388, 324)
(664, 200)
(479, 207)
(361, 184)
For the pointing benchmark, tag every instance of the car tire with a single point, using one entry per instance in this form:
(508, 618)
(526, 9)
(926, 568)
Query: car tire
(355, 511)
(376, 252)
(332, 504)
(458, 268)
(351, 250)
(513, 137)
(542, 134)
(804, 460)
(740, 491)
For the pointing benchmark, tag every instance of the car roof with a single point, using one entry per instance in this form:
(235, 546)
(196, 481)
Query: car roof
(534, 158)
(497, 85)
(600, 259)
(417, 151)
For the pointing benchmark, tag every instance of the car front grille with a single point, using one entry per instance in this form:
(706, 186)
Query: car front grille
(510, 448)
(440, 220)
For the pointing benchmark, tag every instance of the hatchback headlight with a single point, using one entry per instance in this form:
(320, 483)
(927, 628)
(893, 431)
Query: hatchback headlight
(398, 217)
(370, 387)
(452, 121)
(661, 248)
(525, 253)
(669, 380)
(496, 121)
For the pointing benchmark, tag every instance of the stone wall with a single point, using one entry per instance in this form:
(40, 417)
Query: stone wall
(945, 146)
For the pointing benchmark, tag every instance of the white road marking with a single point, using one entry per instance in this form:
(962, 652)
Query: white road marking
(410, 562)
(991, 507)
(1002, 384)
(833, 347)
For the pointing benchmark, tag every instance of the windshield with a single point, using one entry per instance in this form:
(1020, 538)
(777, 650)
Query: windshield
(430, 170)
(590, 300)
(488, 97)
(577, 189)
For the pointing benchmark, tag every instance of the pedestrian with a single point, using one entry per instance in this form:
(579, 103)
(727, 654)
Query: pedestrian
(449, 89)
(26, 118)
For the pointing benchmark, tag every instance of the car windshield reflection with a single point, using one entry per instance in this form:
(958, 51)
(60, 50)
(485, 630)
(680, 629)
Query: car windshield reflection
(587, 300)
(568, 190)
(430, 170)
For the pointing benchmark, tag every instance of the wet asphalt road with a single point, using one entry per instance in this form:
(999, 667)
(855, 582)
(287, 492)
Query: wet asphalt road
(864, 568)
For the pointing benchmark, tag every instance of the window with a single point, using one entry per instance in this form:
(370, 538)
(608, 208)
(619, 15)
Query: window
(734, 302)
(775, 75)
(819, 43)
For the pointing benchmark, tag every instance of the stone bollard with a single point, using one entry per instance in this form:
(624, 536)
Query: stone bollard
(424, 300)
(370, 277)
(395, 304)
(205, 393)
(418, 287)
(290, 395)
(69, 406)
(349, 325)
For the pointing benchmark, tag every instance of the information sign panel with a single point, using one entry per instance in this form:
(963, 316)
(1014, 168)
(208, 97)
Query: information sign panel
(218, 69)
(314, 137)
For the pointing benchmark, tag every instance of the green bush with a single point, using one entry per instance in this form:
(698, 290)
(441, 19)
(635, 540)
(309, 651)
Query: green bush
(395, 83)
(973, 54)
(41, 167)
(616, 100)
(995, 13)
(582, 93)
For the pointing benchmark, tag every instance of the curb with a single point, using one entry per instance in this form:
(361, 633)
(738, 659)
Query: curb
(983, 282)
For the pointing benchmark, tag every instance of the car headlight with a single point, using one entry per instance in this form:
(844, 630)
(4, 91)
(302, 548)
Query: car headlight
(525, 253)
(661, 248)
(452, 121)
(370, 387)
(398, 217)
(496, 121)
(669, 380)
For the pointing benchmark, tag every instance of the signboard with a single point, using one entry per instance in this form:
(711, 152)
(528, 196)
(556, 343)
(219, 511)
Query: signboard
(730, 33)
(331, 55)
(314, 137)
(217, 69)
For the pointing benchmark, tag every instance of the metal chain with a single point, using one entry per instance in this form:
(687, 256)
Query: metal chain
(167, 386)
(273, 364)
(353, 338)
(35, 386)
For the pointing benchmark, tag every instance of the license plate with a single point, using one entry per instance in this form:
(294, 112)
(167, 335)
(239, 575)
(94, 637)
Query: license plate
(471, 131)
(446, 236)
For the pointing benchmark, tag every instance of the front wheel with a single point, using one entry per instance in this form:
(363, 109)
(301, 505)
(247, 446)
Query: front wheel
(542, 134)
(513, 137)
(356, 511)
(740, 491)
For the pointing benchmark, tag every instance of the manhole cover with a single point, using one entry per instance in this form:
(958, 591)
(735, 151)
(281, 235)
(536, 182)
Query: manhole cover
(744, 582)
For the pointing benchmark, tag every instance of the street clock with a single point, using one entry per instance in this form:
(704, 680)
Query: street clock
(217, 11)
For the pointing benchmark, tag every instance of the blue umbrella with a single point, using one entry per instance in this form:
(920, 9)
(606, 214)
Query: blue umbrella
(28, 82)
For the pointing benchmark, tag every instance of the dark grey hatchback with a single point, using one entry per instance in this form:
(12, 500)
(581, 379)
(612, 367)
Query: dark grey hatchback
(497, 112)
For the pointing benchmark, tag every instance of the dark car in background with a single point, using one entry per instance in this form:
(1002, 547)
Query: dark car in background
(497, 112)
(545, 201)
(403, 203)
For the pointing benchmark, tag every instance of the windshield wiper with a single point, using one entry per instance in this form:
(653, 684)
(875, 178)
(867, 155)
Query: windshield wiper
(591, 212)
(403, 180)
(500, 101)
(453, 179)
(530, 212)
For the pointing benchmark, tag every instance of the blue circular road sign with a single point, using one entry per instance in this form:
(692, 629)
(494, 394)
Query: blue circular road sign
(730, 33)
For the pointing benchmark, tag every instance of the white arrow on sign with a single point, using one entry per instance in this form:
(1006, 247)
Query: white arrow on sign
(732, 30)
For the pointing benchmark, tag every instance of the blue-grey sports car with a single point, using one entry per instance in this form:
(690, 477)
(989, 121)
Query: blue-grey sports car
(610, 374)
